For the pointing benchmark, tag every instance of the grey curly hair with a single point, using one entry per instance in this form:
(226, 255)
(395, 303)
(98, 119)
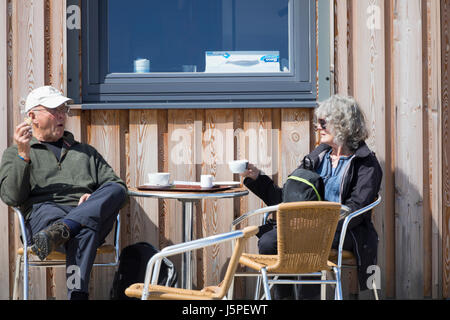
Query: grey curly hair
(345, 120)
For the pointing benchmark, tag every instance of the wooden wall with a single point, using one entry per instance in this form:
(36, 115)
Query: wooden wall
(388, 55)
(392, 55)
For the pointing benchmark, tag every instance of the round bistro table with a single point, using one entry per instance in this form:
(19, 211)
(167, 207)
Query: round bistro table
(187, 199)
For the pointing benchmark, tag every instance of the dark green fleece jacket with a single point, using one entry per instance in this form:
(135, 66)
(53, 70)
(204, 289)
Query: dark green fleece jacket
(81, 170)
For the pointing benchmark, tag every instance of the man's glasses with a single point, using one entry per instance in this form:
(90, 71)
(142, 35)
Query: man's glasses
(65, 110)
(322, 123)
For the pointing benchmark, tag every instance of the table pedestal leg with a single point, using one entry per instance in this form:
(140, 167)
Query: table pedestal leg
(186, 263)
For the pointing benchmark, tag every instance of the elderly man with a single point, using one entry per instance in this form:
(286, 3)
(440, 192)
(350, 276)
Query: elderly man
(69, 194)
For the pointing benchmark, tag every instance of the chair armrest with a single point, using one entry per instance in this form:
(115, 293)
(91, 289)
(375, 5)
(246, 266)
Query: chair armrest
(253, 213)
(22, 226)
(347, 220)
(154, 264)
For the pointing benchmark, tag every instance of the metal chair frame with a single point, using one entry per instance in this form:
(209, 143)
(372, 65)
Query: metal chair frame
(154, 264)
(345, 224)
(346, 215)
(25, 261)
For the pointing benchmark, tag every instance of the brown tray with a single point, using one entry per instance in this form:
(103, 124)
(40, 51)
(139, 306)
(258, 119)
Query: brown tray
(182, 187)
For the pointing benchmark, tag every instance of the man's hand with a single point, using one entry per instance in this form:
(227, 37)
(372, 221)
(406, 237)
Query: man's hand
(83, 198)
(22, 137)
(251, 172)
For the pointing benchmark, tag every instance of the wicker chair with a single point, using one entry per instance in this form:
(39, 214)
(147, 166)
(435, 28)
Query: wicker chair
(55, 258)
(147, 291)
(305, 234)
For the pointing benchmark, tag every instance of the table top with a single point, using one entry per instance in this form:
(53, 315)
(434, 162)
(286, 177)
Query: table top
(186, 195)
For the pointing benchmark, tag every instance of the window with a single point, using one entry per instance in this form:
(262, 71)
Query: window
(202, 53)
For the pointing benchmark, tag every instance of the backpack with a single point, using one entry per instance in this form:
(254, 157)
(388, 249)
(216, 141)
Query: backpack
(132, 266)
(303, 185)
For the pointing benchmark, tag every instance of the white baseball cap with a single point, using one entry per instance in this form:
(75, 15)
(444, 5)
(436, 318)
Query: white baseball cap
(46, 96)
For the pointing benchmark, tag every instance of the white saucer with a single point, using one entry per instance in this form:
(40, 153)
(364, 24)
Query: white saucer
(158, 185)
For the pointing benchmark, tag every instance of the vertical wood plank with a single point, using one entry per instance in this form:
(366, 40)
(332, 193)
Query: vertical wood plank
(4, 241)
(341, 47)
(409, 156)
(28, 46)
(105, 135)
(257, 140)
(217, 214)
(434, 105)
(183, 129)
(55, 37)
(445, 127)
(295, 131)
(369, 91)
(431, 88)
(143, 160)
(389, 177)
(55, 76)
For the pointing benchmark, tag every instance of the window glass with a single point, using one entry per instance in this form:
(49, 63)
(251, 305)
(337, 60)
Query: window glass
(217, 36)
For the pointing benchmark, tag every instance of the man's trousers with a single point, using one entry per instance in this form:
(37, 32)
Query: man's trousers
(96, 215)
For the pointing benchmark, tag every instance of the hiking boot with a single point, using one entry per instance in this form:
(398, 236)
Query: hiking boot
(49, 239)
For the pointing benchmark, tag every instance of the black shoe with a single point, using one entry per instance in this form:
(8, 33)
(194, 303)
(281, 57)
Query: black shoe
(49, 239)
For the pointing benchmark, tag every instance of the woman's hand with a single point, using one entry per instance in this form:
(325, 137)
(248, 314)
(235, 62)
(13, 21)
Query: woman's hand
(251, 172)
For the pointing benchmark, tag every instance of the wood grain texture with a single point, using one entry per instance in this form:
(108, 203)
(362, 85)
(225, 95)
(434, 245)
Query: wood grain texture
(432, 163)
(256, 141)
(106, 136)
(295, 131)
(369, 91)
(143, 222)
(55, 76)
(217, 215)
(4, 241)
(409, 153)
(184, 128)
(341, 38)
(445, 127)
(28, 57)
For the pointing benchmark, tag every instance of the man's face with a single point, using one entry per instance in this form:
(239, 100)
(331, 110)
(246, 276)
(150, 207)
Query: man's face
(49, 124)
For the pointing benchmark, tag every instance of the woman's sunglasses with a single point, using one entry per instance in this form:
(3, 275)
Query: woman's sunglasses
(322, 123)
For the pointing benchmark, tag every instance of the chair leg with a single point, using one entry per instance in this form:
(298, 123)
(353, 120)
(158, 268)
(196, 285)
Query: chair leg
(338, 290)
(266, 284)
(17, 277)
(25, 275)
(323, 287)
(258, 287)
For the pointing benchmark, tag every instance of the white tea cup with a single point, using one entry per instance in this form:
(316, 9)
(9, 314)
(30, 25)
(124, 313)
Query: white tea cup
(206, 181)
(238, 166)
(159, 178)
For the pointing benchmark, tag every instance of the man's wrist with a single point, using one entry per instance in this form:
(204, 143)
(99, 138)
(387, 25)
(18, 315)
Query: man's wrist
(24, 158)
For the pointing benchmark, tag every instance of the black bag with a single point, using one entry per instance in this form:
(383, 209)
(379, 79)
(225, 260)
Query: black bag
(303, 185)
(132, 265)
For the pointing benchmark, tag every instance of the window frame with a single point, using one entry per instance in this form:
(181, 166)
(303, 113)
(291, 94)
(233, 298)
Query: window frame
(297, 88)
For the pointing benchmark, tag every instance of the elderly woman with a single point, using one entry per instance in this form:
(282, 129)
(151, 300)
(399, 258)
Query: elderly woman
(351, 174)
